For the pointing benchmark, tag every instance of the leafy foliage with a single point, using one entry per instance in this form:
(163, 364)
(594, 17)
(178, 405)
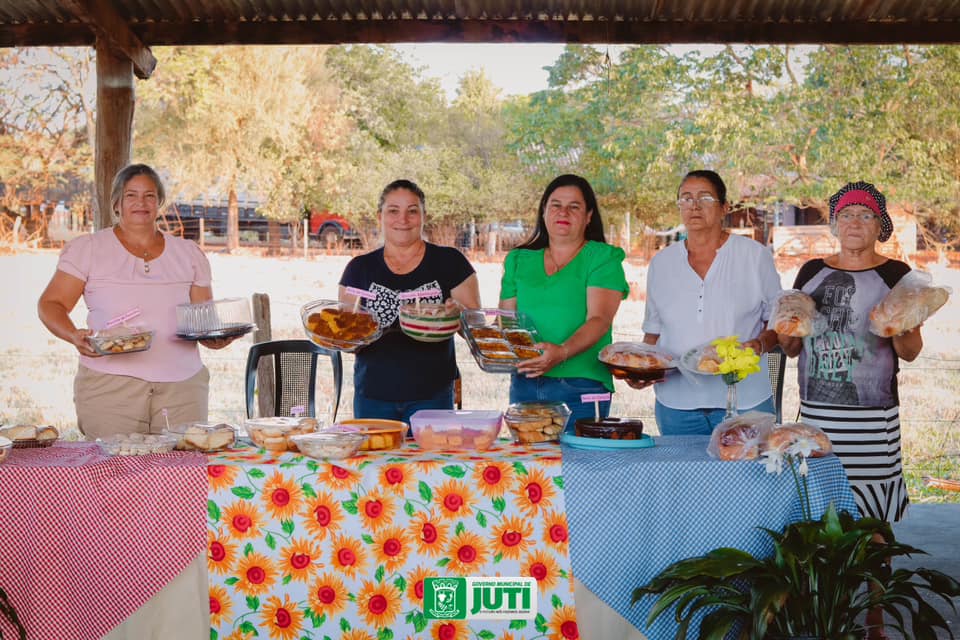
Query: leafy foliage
(813, 584)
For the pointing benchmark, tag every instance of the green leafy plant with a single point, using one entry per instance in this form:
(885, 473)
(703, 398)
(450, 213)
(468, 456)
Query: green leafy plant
(823, 574)
(10, 614)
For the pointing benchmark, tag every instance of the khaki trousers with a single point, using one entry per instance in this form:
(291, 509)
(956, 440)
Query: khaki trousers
(108, 403)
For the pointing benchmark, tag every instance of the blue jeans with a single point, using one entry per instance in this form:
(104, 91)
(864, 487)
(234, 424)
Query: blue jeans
(364, 407)
(568, 390)
(697, 422)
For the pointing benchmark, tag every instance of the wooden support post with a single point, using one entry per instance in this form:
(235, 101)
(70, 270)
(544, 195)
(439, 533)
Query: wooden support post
(115, 104)
(263, 333)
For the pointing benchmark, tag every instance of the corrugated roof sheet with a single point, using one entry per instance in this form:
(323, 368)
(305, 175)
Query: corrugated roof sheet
(156, 22)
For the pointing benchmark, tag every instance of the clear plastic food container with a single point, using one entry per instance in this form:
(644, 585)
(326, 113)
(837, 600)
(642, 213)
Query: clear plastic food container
(122, 339)
(533, 422)
(274, 434)
(451, 429)
(226, 318)
(428, 322)
(382, 434)
(335, 325)
(331, 445)
(203, 436)
(6, 446)
(136, 444)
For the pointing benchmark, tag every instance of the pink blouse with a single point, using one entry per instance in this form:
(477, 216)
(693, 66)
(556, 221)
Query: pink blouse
(115, 282)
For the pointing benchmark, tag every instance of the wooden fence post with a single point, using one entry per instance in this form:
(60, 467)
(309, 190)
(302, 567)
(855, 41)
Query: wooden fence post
(263, 333)
(202, 233)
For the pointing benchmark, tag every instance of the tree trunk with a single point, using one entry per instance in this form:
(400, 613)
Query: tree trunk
(233, 219)
(115, 104)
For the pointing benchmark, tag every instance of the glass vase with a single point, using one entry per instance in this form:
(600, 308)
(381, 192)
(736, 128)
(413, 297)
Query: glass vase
(731, 401)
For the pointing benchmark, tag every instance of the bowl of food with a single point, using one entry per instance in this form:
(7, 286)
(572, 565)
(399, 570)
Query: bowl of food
(275, 433)
(636, 361)
(610, 428)
(330, 445)
(6, 446)
(121, 339)
(429, 322)
(203, 436)
(381, 434)
(533, 422)
(136, 444)
(451, 429)
(28, 436)
(335, 325)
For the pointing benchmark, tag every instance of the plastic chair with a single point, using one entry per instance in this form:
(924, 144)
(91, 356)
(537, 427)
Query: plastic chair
(777, 365)
(294, 375)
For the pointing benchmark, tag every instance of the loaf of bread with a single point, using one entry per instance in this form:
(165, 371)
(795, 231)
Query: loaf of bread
(783, 436)
(740, 438)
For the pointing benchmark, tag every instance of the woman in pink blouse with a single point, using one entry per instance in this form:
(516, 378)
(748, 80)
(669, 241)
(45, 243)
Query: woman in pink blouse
(132, 268)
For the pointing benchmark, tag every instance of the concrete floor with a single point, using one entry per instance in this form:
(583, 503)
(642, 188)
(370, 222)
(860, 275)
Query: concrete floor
(934, 528)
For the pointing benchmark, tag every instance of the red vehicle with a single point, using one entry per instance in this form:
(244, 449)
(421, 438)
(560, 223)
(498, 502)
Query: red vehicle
(332, 229)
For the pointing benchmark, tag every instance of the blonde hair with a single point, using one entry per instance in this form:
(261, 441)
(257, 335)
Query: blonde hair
(128, 173)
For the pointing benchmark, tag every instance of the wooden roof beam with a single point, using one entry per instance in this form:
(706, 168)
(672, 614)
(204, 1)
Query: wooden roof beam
(109, 26)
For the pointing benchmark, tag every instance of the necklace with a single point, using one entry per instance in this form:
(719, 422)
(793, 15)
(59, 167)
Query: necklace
(404, 265)
(557, 265)
(129, 246)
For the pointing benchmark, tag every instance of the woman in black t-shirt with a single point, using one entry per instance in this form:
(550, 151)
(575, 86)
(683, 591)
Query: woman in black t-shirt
(397, 375)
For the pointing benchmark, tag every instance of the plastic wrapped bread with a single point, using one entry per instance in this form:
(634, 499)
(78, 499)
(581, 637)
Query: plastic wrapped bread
(793, 313)
(908, 305)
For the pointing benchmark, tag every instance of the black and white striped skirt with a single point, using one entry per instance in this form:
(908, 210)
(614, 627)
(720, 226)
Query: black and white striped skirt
(867, 441)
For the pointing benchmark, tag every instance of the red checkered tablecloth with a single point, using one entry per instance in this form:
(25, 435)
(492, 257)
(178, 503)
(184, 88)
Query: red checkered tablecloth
(87, 539)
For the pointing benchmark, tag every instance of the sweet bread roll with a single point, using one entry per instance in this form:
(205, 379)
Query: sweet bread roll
(793, 315)
(20, 432)
(47, 433)
(739, 442)
(785, 435)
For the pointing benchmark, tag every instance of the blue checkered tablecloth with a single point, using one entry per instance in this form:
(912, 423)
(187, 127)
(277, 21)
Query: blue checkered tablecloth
(632, 512)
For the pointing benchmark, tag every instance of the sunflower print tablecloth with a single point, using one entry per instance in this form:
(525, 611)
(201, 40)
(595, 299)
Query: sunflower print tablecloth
(301, 548)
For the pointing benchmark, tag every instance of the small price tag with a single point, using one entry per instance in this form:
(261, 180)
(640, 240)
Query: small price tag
(297, 411)
(124, 317)
(595, 397)
(362, 293)
(416, 295)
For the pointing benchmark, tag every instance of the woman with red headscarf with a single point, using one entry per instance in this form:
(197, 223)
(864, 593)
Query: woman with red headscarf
(848, 376)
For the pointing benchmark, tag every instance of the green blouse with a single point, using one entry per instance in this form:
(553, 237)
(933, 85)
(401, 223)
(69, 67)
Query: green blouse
(557, 304)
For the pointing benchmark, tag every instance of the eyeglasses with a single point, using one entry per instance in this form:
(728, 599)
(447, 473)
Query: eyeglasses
(686, 202)
(846, 216)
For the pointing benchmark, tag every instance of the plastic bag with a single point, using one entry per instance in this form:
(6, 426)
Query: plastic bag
(908, 305)
(741, 437)
(814, 443)
(793, 313)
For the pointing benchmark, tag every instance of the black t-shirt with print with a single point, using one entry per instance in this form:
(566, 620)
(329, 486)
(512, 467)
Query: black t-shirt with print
(397, 368)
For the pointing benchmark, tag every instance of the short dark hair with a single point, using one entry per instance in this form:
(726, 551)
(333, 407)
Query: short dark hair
(396, 185)
(594, 230)
(711, 176)
(125, 175)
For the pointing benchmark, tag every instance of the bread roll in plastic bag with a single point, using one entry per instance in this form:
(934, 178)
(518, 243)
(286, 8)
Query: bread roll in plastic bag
(793, 314)
(740, 437)
(782, 437)
(908, 305)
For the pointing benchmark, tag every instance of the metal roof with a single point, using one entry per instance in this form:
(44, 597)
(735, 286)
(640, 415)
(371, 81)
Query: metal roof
(198, 22)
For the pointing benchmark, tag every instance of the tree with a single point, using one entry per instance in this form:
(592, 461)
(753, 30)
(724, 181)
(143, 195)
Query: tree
(241, 118)
(46, 121)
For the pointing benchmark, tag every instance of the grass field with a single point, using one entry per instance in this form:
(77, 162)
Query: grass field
(36, 369)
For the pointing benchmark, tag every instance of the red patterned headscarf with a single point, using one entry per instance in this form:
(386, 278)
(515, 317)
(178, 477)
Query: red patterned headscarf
(862, 193)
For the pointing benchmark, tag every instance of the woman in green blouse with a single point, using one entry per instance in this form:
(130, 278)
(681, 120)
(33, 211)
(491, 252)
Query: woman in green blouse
(570, 282)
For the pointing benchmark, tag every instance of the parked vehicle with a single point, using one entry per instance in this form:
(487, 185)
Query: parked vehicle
(188, 215)
(332, 229)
